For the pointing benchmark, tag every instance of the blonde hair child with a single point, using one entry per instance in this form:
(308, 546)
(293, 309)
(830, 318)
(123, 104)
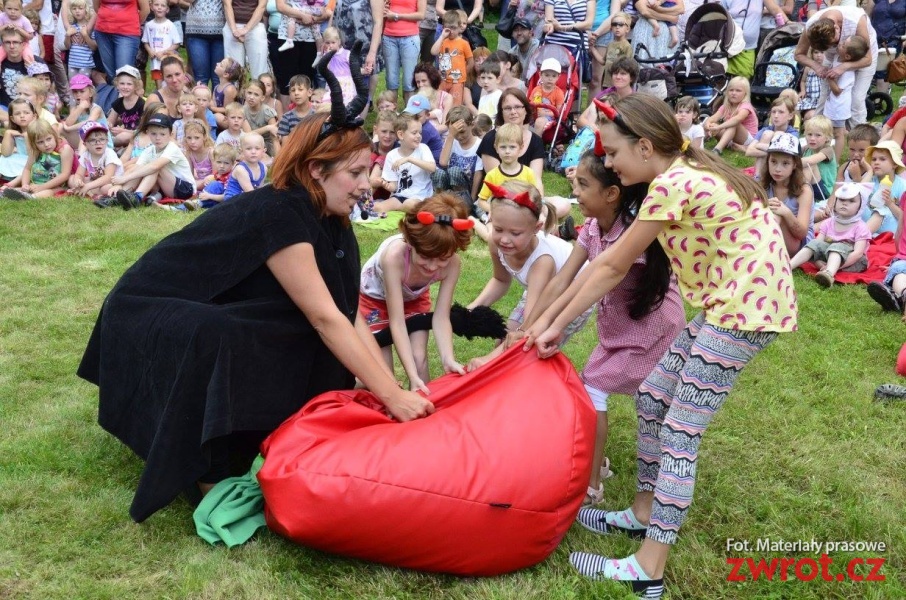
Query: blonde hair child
(407, 168)
(203, 99)
(35, 91)
(387, 100)
(79, 43)
(508, 144)
(271, 95)
(339, 64)
(520, 250)
(198, 147)
(819, 158)
(250, 171)
(225, 157)
(187, 107)
(396, 284)
(14, 149)
(126, 111)
(48, 166)
(735, 122)
(687, 112)
(384, 140)
(234, 123)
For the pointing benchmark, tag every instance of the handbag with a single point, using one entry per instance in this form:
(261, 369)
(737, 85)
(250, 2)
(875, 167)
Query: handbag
(473, 34)
(896, 69)
(507, 20)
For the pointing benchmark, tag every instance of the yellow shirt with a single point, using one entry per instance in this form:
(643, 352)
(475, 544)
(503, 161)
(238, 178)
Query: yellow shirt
(497, 177)
(730, 260)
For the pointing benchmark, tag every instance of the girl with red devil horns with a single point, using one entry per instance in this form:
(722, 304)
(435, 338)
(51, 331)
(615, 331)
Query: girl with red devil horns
(396, 280)
(520, 250)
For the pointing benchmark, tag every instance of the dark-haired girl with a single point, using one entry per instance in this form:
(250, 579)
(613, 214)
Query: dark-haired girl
(637, 319)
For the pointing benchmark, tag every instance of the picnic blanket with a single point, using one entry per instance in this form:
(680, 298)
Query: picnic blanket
(880, 251)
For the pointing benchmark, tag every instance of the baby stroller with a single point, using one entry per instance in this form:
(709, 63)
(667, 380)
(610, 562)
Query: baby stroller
(562, 129)
(776, 68)
(700, 64)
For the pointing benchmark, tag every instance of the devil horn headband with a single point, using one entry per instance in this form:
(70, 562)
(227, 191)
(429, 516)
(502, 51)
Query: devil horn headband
(341, 116)
(614, 117)
(426, 218)
(522, 198)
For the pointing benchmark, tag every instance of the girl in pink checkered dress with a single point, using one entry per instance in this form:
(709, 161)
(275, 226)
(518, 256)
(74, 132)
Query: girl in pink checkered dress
(636, 320)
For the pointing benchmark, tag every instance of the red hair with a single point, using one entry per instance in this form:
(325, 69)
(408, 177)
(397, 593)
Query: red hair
(302, 150)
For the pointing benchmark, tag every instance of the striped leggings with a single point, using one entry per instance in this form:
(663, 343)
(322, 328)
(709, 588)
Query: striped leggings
(675, 403)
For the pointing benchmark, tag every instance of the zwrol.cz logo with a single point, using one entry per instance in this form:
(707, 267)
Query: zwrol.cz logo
(748, 568)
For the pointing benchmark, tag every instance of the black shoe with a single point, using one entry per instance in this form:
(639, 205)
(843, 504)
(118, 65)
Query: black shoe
(884, 296)
(105, 202)
(127, 199)
(16, 194)
(889, 391)
(568, 229)
(480, 214)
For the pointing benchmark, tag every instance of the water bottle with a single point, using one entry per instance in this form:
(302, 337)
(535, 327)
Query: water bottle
(877, 199)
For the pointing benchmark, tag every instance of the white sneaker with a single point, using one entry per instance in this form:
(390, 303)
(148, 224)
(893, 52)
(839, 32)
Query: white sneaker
(287, 45)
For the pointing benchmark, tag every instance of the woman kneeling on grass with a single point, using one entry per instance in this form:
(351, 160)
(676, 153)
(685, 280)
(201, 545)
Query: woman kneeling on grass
(224, 329)
(728, 254)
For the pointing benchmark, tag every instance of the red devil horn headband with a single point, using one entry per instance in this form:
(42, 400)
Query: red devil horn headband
(599, 147)
(522, 198)
(426, 218)
(614, 117)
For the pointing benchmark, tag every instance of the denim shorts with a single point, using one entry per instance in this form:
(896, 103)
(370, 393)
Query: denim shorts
(897, 267)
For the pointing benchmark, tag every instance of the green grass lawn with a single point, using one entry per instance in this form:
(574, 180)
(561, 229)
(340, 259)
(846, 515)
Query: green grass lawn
(799, 451)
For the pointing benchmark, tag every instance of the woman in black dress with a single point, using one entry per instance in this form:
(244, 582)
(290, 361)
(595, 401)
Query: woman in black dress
(224, 329)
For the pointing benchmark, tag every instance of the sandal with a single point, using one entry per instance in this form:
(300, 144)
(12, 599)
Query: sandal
(605, 469)
(593, 496)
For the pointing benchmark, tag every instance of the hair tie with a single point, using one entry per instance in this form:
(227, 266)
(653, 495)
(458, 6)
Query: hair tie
(522, 198)
(426, 218)
(684, 147)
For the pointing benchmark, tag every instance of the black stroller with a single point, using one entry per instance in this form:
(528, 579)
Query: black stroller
(775, 67)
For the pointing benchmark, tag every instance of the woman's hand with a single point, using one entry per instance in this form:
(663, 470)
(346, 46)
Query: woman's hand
(549, 26)
(407, 406)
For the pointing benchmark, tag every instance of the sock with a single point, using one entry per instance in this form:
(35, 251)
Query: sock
(139, 195)
(599, 567)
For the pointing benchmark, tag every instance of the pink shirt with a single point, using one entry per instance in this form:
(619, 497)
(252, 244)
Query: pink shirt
(856, 232)
(401, 28)
(627, 350)
(751, 120)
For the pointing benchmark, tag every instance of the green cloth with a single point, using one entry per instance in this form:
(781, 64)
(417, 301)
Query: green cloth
(742, 65)
(233, 510)
(389, 223)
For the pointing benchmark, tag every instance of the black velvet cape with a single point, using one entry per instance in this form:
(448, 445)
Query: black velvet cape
(198, 340)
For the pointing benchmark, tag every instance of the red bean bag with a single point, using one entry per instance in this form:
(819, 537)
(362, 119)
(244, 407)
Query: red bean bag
(488, 484)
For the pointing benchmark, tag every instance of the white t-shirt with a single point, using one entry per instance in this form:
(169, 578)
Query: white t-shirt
(466, 159)
(487, 105)
(695, 131)
(160, 36)
(95, 170)
(225, 137)
(412, 181)
(177, 163)
(839, 107)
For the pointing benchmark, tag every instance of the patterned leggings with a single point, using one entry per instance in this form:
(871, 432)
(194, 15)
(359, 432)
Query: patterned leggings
(675, 403)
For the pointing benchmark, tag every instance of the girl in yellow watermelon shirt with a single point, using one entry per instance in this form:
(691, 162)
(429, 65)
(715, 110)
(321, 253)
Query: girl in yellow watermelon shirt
(731, 262)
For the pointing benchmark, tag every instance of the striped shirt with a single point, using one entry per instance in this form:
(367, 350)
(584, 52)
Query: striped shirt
(567, 14)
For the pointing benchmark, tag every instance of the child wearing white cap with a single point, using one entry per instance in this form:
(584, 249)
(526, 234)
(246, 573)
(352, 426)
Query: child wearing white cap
(840, 242)
(548, 94)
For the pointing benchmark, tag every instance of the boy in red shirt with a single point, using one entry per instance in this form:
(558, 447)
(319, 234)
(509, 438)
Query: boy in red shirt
(547, 93)
(454, 56)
